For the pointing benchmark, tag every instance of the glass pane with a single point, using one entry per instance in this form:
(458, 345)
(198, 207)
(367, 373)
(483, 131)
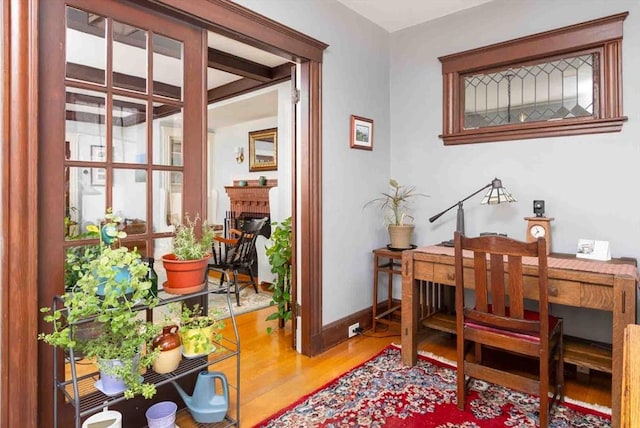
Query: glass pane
(167, 67)
(558, 89)
(161, 247)
(86, 57)
(130, 199)
(167, 200)
(129, 130)
(85, 124)
(129, 57)
(138, 245)
(167, 135)
(84, 199)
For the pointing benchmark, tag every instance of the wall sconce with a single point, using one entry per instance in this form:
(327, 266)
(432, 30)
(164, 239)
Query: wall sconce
(239, 154)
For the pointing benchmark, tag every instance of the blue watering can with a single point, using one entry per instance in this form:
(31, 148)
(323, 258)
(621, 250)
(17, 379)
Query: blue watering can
(205, 405)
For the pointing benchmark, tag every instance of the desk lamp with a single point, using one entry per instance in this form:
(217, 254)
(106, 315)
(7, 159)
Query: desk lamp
(496, 195)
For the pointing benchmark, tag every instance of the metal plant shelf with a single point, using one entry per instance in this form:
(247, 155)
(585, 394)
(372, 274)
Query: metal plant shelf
(89, 400)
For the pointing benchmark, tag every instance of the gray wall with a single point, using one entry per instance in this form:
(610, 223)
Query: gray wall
(355, 81)
(395, 79)
(588, 182)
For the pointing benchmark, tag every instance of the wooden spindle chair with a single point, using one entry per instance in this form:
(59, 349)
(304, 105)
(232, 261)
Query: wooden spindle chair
(236, 255)
(499, 319)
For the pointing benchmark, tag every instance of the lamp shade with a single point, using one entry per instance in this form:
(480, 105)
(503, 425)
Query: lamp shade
(497, 194)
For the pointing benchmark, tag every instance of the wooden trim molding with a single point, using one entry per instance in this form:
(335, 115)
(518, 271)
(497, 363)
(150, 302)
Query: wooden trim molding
(310, 236)
(19, 213)
(602, 37)
(230, 19)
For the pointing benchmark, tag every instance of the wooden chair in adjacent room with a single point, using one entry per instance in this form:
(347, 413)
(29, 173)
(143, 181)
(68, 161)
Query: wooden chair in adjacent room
(499, 319)
(236, 255)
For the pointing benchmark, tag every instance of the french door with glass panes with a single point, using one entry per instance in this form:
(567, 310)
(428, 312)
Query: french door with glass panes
(123, 129)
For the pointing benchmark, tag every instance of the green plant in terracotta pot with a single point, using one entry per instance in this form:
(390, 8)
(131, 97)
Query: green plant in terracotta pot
(186, 266)
(395, 206)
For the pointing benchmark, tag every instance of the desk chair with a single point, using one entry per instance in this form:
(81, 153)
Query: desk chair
(499, 319)
(236, 255)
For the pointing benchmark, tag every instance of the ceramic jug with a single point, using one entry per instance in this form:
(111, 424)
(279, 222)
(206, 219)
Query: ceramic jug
(169, 344)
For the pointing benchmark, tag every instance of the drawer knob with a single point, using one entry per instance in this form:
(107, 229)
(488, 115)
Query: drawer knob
(553, 291)
(451, 276)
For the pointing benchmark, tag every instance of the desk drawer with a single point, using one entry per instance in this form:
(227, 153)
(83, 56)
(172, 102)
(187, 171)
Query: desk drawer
(423, 271)
(597, 297)
(560, 291)
(446, 274)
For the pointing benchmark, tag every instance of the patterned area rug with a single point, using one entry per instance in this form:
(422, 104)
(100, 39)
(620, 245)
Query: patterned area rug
(383, 393)
(249, 301)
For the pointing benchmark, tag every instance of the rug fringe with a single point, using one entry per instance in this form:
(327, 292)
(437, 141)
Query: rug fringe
(597, 407)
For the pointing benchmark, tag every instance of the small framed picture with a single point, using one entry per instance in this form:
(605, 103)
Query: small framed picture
(361, 133)
(98, 175)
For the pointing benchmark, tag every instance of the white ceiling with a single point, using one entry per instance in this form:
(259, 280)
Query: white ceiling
(394, 15)
(243, 109)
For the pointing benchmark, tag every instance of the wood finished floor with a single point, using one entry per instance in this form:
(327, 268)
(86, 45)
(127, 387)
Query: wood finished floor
(273, 375)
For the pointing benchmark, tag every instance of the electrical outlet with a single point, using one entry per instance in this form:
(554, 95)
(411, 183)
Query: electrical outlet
(354, 329)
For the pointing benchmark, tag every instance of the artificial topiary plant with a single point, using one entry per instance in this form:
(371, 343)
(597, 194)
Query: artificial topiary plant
(279, 254)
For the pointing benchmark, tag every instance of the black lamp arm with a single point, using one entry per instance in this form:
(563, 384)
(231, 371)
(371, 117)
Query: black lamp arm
(437, 216)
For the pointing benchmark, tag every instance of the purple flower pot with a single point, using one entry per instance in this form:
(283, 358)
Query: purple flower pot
(162, 414)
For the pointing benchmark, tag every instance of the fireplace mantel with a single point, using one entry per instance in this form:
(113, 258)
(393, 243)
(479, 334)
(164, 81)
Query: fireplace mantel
(251, 198)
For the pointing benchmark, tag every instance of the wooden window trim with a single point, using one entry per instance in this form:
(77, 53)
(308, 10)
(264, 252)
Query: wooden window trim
(603, 35)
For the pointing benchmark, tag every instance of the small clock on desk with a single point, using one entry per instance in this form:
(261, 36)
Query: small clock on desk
(539, 227)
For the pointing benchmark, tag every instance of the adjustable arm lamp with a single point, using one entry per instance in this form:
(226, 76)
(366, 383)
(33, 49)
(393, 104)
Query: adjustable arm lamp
(496, 195)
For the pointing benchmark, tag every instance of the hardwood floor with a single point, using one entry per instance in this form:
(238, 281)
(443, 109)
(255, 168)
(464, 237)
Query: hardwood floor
(273, 375)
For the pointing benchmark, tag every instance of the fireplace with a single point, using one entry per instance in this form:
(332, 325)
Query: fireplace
(246, 203)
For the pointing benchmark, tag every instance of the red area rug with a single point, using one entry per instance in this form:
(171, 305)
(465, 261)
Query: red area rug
(383, 393)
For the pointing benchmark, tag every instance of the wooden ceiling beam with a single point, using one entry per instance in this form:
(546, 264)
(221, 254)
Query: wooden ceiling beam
(234, 64)
(281, 73)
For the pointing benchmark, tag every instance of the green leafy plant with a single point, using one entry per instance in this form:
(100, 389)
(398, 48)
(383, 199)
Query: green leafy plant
(193, 323)
(77, 258)
(119, 332)
(395, 204)
(279, 254)
(186, 245)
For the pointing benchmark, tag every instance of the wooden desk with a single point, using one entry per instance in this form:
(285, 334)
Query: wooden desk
(572, 282)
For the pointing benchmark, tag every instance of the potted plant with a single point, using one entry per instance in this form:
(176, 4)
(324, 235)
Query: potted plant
(395, 205)
(279, 254)
(120, 334)
(187, 265)
(198, 330)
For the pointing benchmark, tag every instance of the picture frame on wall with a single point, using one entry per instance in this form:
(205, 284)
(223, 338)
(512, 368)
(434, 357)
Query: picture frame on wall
(361, 133)
(98, 175)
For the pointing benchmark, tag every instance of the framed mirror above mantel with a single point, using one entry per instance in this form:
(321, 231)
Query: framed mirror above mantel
(561, 82)
(263, 150)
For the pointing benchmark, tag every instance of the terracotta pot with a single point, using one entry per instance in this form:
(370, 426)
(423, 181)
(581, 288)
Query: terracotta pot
(184, 276)
(169, 344)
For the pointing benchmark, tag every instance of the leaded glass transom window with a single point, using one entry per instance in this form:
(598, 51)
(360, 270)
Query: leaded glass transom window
(558, 89)
(561, 82)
